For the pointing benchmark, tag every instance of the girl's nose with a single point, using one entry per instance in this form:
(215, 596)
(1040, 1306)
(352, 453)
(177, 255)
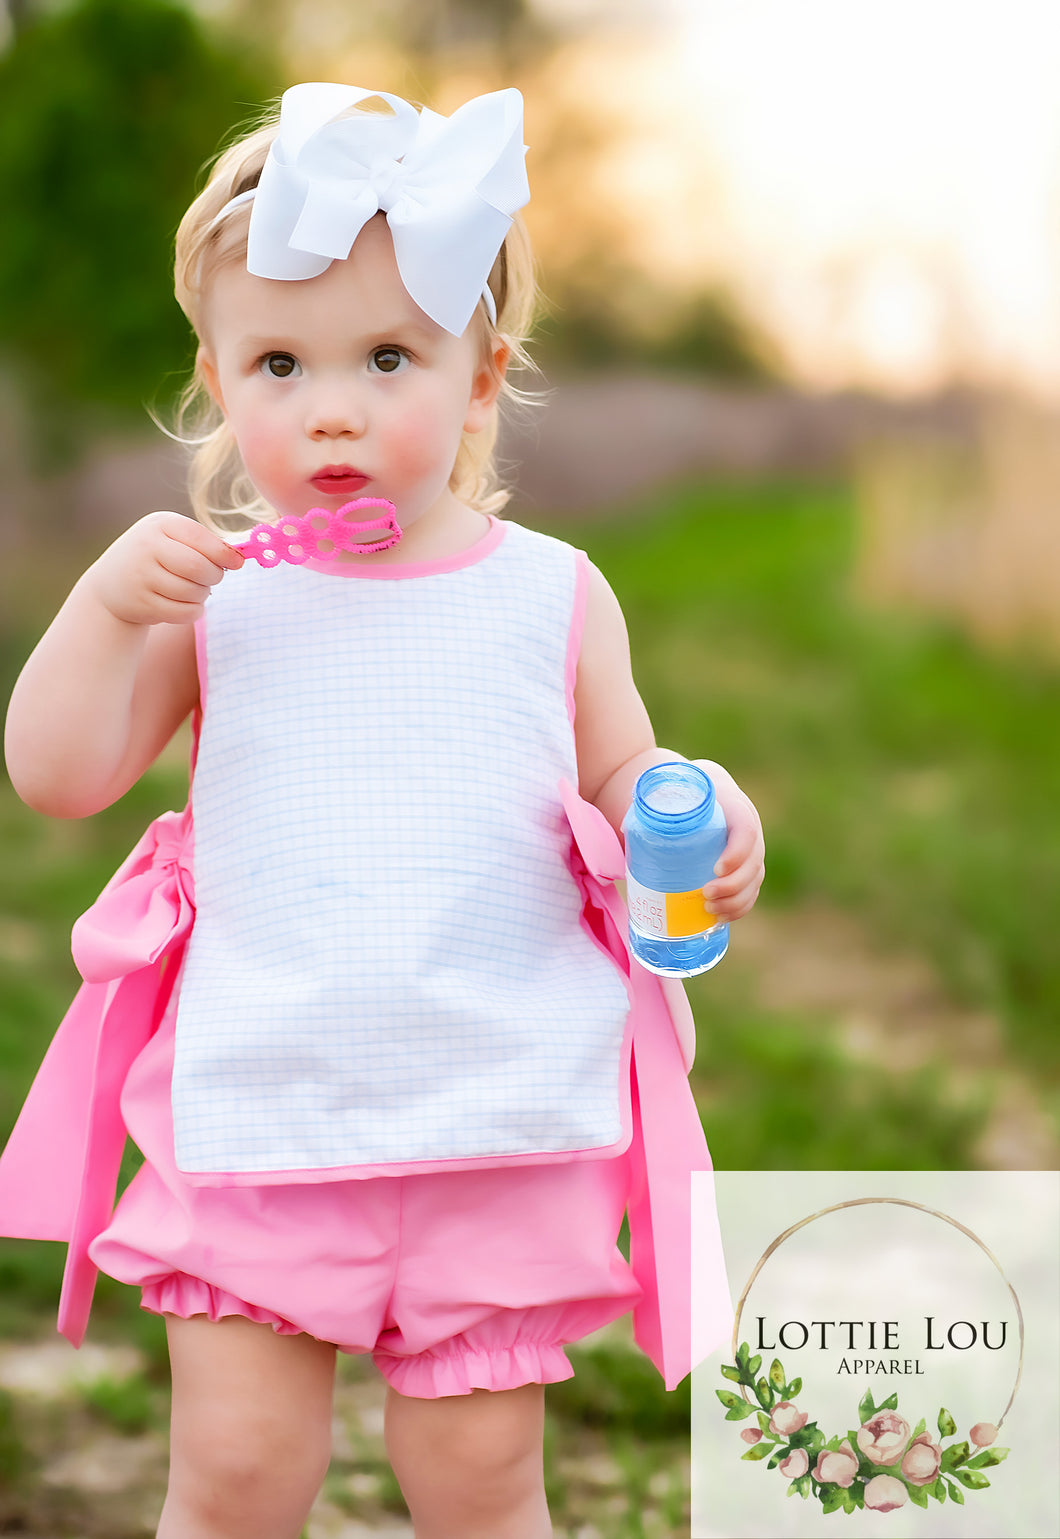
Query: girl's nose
(335, 413)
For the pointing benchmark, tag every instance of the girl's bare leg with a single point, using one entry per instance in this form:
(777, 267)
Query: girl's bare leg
(251, 1429)
(471, 1466)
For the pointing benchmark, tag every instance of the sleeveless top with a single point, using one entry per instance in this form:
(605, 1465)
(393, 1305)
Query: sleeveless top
(388, 968)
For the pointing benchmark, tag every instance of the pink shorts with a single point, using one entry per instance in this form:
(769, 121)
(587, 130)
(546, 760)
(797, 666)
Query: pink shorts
(453, 1282)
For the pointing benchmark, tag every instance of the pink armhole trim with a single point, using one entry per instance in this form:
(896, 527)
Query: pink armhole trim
(200, 659)
(577, 626)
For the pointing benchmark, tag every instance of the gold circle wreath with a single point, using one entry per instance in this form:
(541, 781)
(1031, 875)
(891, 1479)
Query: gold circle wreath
(859, 1202)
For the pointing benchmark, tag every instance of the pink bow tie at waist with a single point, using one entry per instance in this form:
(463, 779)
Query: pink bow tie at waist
(59, 1172)
(668, 1142)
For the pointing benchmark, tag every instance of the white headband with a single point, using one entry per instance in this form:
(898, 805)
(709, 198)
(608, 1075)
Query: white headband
(448, 187)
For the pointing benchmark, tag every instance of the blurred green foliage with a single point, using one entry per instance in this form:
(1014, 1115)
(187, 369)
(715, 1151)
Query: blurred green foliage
(107, 112)
(129, 1405)
(903, 776)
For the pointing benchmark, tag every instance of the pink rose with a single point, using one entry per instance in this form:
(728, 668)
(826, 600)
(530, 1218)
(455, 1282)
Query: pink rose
(983, 1434)
(786, 1419)
(920, 1463)
(751, 1435)
(837, 1468)
(883, 1437)
(795, 1464)
(884, 1493)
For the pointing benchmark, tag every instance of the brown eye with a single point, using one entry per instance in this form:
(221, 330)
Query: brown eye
(280, 365)
(387, 360)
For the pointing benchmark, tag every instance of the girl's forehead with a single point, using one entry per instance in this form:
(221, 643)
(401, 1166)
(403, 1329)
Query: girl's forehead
(364, 291)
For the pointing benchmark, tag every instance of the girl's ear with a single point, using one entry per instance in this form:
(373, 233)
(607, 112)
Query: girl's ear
(486, 385)
(208, 374)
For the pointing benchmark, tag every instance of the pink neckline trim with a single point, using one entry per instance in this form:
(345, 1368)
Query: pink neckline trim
(489, 542)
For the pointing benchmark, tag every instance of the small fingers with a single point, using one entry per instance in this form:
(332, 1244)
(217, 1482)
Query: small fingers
(739, 902)
(185, 564)
(740, 872)
(188, 536)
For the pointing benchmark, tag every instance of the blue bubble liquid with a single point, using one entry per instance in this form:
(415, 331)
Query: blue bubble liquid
(675, 830)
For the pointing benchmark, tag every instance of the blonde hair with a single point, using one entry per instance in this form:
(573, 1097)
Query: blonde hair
(222, 495)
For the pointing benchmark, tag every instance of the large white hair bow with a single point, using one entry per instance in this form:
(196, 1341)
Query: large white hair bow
(448, 187)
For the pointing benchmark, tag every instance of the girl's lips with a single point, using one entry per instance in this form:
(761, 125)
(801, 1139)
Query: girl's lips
(339, 482)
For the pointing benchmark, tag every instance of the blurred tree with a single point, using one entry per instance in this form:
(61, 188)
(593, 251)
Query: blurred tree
(107, 111)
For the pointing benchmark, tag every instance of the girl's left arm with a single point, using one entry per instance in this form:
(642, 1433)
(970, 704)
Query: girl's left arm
(615, 743)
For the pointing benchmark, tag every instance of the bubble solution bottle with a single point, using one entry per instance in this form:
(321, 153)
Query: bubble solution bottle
(675, 830)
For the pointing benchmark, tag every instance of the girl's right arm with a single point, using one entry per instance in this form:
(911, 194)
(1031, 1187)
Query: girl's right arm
(114, 675)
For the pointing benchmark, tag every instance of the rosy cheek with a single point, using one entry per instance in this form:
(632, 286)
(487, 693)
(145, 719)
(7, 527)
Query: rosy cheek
(258, 449)
(413, 444)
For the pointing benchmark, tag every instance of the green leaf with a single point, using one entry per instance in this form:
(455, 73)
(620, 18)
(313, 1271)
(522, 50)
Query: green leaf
(973, 1480)
(920, 1427)
(743, 1352)
(988, 1457)
(866, 1408)
(890, 1404)
(776, 1376)
(803, 1485)
(763, 1422)
(918, 1495)
(947, 1425)
(938, 1490)
(794, 1388)
(956, 1494)
(738, 1407)
(758, 1452)
(955, 1454)
(831, 1498)
(754, 1365)
(728, 1372)
(765, 1394)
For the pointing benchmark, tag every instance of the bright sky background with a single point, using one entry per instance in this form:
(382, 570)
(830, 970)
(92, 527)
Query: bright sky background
(881, 179)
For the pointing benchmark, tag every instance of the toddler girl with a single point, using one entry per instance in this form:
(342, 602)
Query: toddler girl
(365, 1006)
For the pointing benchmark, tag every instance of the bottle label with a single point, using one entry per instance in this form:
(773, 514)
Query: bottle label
(668, 914)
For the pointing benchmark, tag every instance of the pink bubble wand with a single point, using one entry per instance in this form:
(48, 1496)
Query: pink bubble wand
(323, 535)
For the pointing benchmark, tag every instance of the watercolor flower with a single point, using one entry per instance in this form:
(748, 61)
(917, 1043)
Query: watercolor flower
(884, 1493)
(837, 1467)
(796, 1464)
(921, 1460)
(983, 1434)
(884, 1437)
(787, 1418)
(751, 1435)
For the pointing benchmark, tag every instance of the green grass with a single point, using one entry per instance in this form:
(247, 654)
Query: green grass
(902, 775)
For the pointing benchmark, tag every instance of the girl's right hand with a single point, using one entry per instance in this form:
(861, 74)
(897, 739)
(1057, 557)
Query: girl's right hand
(161, 570)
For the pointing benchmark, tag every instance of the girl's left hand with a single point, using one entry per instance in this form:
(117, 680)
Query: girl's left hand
(741, 866)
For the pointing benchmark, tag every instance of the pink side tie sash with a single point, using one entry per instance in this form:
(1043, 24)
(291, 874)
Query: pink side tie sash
(668, 1143)
(59, 1171)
